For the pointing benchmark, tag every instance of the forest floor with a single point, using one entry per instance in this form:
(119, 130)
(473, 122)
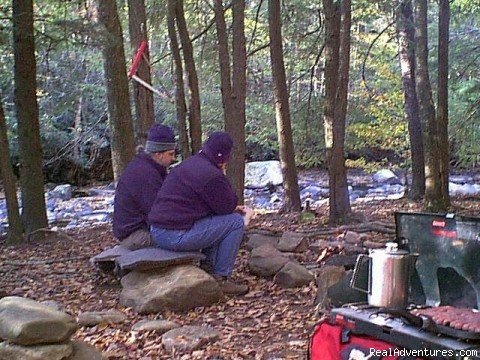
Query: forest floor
(268, 323)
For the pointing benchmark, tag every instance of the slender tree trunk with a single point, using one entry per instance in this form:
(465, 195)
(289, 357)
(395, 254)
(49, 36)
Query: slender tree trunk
(406, 39)
(337, 62)
(434, 200)
(338, 176)
(120, 116)
(77, 126)
(145, 116)
(34, 213)
(194, 115)
(332, 39)
(233, 110)
(236, 168)
(77, 135)
(181, 106)
(442, 98)
(282, 109)
(15, 231)
(224, 62)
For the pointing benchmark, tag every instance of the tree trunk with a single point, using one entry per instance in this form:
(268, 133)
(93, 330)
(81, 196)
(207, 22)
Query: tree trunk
(15, 231)
(77, 137)
(406, 40)
(236, 168)
(120, 116)
(332, 39)
(180, 103)
(233, 110)
(77, 128)
(224, 62)
(34, 213)
(145, 116)
(442, 97)
(282, 109)
(337, 62)
(434, 200)
(340, 205)
(194, 116)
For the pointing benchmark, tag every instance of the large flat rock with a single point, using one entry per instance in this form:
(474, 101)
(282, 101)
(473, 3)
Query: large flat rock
(155, 258)
(150, 258)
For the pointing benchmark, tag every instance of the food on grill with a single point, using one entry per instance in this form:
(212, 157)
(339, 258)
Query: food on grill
(457, 318)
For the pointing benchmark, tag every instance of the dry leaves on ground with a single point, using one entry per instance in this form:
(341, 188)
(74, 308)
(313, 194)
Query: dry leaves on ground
(268, 323)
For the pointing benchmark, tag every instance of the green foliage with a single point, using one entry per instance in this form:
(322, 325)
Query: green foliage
(464, 90)
(261, 134)
(465, 124)
(309, 134)
(375, 118)
(369, 167)
(465, 7)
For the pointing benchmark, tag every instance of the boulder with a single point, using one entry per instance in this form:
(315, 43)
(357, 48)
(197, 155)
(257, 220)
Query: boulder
(293, 275)
(341, 293)
(27, 322)
(62, 192)
(293, 242)
(84, 351)
(314, 192)
(176, 288)
(257, 240)
(266, 261)
(260, 174)
(327, 276)
(9, 351)
(384, 175)
(346, 261)
(101, 317)
(159, 326)
(352, 237)
(189, 338)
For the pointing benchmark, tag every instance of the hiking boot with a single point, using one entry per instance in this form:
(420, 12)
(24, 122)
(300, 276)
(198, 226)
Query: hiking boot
(229, 287)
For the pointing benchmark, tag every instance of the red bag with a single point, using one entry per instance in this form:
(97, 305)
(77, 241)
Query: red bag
(326, 344)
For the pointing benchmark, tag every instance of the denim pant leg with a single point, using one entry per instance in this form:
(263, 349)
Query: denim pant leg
(219, 236)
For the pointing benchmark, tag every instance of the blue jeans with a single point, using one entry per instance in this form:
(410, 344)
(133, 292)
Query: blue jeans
(218, 237)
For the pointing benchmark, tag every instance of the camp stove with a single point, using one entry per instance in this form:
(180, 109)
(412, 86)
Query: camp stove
(407, 331)
(446, 273)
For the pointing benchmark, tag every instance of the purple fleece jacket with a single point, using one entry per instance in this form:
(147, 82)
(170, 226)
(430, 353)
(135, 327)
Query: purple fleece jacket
(136, 190)
(195, 189)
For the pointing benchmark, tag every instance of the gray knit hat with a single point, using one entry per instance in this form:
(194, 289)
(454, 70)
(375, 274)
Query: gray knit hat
(160, 138)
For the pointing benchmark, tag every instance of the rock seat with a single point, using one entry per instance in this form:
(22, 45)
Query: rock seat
(122, 260)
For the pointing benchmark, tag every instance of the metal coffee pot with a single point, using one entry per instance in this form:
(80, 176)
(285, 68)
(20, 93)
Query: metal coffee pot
(389, 271)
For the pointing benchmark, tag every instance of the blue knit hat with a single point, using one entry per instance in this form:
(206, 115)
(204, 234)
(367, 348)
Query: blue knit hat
(160, 138)
(218, 147)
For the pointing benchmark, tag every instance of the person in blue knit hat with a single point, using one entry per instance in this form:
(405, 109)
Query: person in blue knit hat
(138, 186)
(196, 209)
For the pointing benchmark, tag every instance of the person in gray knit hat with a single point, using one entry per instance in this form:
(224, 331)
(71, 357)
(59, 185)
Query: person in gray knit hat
(138, 186)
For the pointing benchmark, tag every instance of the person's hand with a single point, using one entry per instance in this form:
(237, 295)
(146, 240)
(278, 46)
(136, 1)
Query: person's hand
(247, 215)
(240, 209)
